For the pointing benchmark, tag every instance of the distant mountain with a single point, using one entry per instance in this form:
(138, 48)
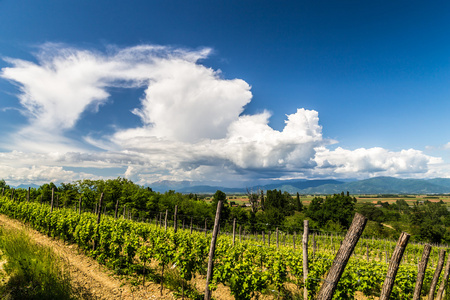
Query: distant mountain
(291, 186)
(376, 185)
(385, 185)
(25, 186)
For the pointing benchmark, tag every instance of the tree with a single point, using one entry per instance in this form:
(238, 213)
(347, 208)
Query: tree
(225, 212)
(253, 200)
(298, 203)
(338, 208)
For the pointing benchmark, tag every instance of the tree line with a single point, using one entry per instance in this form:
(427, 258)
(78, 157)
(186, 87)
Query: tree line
(268, 210)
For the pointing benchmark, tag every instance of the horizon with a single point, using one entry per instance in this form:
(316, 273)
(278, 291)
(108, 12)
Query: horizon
(223, 93)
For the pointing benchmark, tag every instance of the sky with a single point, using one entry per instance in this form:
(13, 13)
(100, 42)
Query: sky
(223, 92)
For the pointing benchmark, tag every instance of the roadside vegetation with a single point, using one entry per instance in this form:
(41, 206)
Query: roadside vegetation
(31, 271)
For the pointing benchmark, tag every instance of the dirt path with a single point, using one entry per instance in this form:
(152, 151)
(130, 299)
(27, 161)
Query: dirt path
(87, 274)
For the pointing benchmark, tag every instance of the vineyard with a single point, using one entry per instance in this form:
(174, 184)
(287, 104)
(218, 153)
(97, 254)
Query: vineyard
(250, 265)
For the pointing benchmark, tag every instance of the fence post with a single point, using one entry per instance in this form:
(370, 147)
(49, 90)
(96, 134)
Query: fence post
(421, 272)
(240, 233)
(53, 195)
(441, 289)
(439, 266)
(314, 244)
(116, 210)
(211, 251)
(175, 219)
(277, 238)
(393, 266)
(340, 261)
(191, 226)
(234, 230)
(305, 256)
(98, 221)
(28, 195)
(165, 220)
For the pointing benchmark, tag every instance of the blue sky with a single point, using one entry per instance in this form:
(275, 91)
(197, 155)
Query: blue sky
(223, 91)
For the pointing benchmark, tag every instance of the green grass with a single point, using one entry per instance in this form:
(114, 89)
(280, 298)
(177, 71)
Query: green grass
(31, 271)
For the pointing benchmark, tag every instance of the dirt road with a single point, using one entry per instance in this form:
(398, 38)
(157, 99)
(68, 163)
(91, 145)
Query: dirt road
(88, 275)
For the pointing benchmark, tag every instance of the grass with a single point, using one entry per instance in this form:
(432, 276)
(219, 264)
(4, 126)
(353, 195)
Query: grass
(31, 271)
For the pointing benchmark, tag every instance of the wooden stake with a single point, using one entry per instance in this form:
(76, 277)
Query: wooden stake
(116, 210)
(240, 233)
(175, 219)
(53, 195)
(98, 221)
(421, 271)
(191, 225)
(393, 266)
(277, 238)
(305, 256)
(211, 251)
(165, 220)
(439, 266)
(441, 290)
(234, 230)
(340, 261)
(28, 195)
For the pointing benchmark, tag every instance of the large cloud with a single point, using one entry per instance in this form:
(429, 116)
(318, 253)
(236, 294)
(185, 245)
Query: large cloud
(192, 124)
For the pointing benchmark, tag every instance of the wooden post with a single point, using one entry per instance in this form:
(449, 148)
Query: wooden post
(240, 233)
(53, 195)
(314, 244)
(184, 221)
(28, 195)
(79, 206)
(439, 266)
(393, 266)
(234, 230)
(12, 194)
(211, 251)
(175, 219)
(268, 238)
(98, 220)
(441, 290)
(165, 220)
(277, 238)
(191, 225)
(421, 272)
(340, 261)
(116, 210)
(305, 256)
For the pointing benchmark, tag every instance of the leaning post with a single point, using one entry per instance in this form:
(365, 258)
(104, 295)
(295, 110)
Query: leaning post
(343, 255)
(211, 251)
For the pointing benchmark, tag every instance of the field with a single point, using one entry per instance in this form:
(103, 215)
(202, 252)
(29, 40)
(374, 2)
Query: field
(249, 268)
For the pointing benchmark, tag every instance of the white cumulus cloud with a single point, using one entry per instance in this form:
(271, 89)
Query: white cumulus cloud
(192, 124)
